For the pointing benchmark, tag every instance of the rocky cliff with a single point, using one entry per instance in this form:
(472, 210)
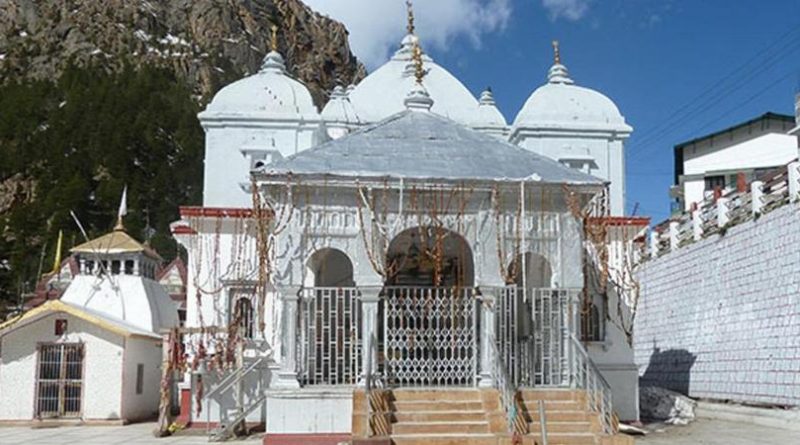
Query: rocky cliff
(209, 43)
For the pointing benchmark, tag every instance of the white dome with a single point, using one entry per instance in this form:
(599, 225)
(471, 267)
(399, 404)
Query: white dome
(560, 104)
(339, 109)
(270, 93)
(382, 93)
(488, 115)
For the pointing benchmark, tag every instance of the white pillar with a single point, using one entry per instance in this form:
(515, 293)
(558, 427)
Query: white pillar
(653, 242)
(488, 303)
(793, 175)
(722, 212)
(697, 225)
(756, 193)
(370, 297)
(287, 375)
(673, 235)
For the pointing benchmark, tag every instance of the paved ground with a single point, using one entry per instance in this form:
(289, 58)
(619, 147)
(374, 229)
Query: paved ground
(718, 432)
(137, 434)
(701, 432)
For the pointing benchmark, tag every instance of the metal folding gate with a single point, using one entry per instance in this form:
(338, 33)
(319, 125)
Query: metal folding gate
(429, 336)
(59, 380)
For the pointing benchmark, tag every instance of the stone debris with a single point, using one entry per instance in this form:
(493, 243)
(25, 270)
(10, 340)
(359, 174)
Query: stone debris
(666, 406)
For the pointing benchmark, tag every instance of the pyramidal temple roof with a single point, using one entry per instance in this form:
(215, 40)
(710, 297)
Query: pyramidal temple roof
(115, 242)
(423, 145)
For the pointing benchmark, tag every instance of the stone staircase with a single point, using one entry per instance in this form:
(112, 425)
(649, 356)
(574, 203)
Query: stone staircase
(472, 416)
(440, 417)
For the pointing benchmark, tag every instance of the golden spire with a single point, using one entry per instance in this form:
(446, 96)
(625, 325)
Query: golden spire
(556, 53)
(273, 41)
(410, 9)
(416, 56)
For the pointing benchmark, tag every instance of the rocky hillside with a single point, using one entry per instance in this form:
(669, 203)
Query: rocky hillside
(209, 43)
(96, 95)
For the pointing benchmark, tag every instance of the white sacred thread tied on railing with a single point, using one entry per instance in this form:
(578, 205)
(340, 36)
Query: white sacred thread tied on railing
(728, 208)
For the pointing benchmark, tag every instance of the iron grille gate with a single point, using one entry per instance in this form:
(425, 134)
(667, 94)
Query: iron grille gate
(330, 336)
(530, 333)
(429, 336)
(59, 380)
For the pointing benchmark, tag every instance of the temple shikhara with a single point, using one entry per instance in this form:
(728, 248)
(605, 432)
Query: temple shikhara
(406, 264)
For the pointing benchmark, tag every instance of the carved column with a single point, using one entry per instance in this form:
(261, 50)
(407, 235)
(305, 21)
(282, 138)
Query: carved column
(287, 375)
(486, 372)
(370, 298)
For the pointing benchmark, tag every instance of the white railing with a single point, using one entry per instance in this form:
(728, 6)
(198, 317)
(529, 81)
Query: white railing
(586, 376)
(509, 397)
(727, 208)
(243, 409)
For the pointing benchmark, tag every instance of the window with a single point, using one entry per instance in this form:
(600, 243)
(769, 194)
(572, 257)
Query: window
(592, 324)
(139, 378)
(128, 267)
(60, 326)
(243, 316)
(712, 182)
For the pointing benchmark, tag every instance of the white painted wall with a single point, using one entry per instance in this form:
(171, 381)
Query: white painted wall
(102, 367)
(145, 405)
(606, 150)
(324, 411)
(228, 160)
(720, 318)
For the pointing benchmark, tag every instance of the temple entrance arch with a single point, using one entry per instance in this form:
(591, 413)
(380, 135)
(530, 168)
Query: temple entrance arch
(330, 319)
(329, 267)
(429, 310)
(430, 257)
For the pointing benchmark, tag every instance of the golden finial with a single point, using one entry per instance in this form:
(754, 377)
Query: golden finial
(556, 53)
(419, 70)
(273, 42)
(410, 9)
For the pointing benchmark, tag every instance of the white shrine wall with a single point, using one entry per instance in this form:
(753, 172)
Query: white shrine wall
(606, 150)
(102, 368)
(233, 146)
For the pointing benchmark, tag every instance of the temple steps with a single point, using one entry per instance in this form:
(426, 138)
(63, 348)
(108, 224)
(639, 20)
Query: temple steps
(445, 416)
(440, 417)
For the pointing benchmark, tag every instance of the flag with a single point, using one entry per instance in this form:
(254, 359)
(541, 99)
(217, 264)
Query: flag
(123, 209)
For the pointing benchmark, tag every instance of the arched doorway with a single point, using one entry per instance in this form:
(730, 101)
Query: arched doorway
(429, 257)
(330, 321)
(330, 267)
(429, 311)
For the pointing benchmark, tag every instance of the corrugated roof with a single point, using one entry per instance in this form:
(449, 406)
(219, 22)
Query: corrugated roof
(424, 145)
(117, 241)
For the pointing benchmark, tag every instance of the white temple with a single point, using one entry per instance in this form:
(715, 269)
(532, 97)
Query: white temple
(404, 236)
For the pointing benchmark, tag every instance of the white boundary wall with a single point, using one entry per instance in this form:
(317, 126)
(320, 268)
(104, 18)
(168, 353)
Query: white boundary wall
(720, 318)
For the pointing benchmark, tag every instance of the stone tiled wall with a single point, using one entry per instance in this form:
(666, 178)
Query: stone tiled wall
(720, 318)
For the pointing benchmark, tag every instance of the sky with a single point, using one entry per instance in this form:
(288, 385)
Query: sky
(677, 69)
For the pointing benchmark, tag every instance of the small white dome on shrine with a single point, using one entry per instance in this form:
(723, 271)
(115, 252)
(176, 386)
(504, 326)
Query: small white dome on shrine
(383, 93)
(339, 109)
(488, 114)
(561, 104)
(269, 93)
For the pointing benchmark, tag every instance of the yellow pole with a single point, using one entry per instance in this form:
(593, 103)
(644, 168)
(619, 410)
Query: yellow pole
(57, 260)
